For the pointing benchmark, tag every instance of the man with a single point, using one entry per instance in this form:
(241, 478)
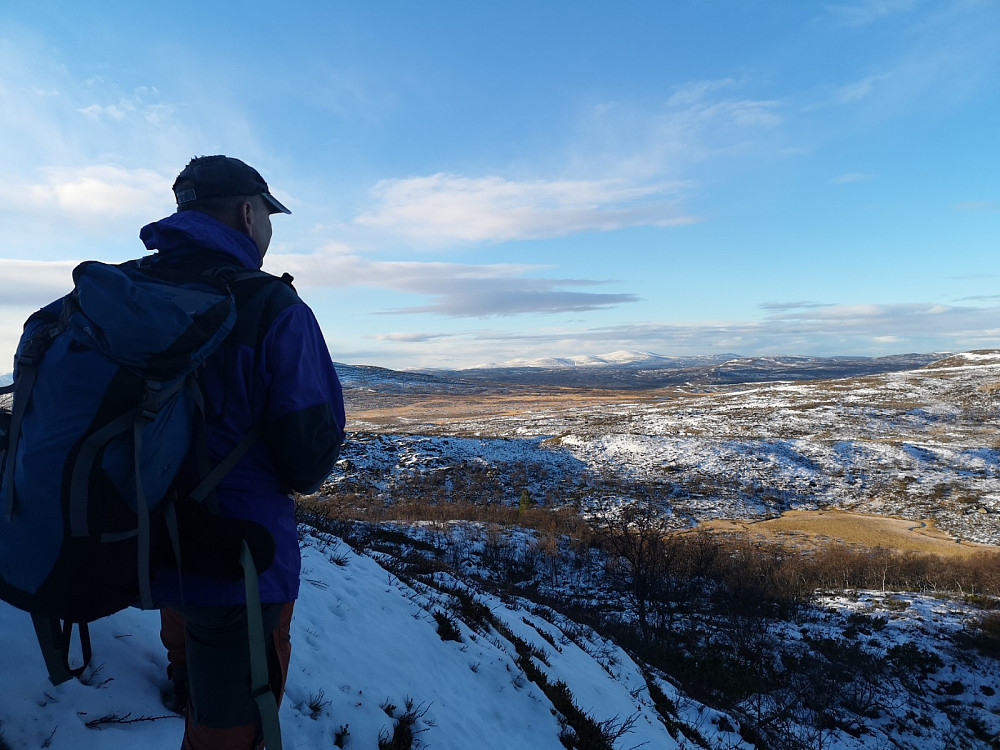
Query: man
(273, 373)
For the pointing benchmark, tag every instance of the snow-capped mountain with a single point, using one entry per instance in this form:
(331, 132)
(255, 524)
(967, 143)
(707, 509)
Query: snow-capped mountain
(619, 358)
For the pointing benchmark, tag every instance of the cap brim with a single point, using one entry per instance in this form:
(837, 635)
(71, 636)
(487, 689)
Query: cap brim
(274, 204)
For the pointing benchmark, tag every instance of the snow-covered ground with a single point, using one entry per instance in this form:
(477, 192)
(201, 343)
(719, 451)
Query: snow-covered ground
(367, 648)
(365, 645)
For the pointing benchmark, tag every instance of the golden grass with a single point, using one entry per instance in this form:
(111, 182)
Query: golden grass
(819, 527)
(447, 409)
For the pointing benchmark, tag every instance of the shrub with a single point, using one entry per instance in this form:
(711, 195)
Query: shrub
(341, 735)
(317, 704)
(447, 628)
(984, 634)
(910, 656)
(403, 734)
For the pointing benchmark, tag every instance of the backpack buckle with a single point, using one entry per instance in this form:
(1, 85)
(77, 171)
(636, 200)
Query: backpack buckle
(150, 405)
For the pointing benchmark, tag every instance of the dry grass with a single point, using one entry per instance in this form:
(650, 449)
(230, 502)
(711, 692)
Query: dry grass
(822, 527)
(442, 410)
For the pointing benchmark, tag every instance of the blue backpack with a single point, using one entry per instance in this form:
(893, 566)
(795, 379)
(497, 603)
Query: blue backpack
(106, 423)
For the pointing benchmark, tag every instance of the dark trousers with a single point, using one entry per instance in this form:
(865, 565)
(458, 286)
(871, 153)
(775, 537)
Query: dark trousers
(209, 647)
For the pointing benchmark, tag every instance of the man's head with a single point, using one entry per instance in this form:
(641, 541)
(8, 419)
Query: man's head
(230, 191)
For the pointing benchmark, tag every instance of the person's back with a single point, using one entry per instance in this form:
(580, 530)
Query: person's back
(273, 374)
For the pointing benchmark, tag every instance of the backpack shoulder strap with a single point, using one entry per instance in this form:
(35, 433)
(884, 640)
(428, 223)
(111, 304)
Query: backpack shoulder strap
(249, 286)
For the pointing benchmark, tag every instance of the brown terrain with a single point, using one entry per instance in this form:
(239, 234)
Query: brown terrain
(813, 528)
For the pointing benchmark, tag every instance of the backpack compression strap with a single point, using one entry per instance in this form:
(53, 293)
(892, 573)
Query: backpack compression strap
(54, 637)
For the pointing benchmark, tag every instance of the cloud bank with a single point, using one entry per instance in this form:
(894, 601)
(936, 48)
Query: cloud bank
(872, 330)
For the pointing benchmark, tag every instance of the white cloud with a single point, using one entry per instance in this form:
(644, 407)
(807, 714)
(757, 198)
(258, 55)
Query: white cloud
(445, 208)
(852, 177)
(454, 289)
(25, 286)
(34, 283)
(91, 194)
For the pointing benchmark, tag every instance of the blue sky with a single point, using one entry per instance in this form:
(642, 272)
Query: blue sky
(475, 182)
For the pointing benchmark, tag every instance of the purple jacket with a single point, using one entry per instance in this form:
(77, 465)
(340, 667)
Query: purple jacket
(274, 369)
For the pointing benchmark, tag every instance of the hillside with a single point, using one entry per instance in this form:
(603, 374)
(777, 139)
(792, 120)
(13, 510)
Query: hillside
(367, 651)
(378, 644)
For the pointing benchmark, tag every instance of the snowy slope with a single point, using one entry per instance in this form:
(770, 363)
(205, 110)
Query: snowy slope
(363, 641)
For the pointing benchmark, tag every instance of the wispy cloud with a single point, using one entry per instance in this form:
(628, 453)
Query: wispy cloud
(865, 12)
(987, 206)
(454, 289)
(786, 306)
(516, 296)
(852, 177)
(858, 90)
(410, 337)
(447, 208)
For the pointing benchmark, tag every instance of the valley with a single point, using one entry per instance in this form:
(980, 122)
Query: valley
(920, 445)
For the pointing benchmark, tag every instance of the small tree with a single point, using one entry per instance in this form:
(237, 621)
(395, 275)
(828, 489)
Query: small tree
(526, 502)
(636, 535)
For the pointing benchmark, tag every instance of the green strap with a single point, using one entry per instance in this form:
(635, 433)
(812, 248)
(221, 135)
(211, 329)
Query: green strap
(260, 684)
(227, 464)
(54, 639)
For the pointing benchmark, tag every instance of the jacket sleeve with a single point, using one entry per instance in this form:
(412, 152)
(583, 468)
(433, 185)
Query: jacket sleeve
(304, 417)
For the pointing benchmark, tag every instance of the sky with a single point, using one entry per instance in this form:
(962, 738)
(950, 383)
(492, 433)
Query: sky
(479, 182)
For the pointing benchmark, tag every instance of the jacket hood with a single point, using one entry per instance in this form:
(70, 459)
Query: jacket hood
(190, 231)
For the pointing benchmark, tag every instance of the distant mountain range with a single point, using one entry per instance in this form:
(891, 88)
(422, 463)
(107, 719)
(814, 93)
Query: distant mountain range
(631, 369)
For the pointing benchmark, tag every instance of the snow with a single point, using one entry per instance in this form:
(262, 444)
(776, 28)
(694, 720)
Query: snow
(615, 358)
(362, 641)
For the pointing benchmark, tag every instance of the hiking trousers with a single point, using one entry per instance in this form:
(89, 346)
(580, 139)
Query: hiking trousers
(208, 648)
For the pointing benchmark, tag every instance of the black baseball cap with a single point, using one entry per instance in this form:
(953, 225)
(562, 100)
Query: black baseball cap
(221, 177)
